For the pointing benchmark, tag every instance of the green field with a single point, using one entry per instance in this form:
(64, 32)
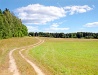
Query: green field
(67, 56)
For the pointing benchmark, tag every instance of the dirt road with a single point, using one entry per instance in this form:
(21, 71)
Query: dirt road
(12, 63)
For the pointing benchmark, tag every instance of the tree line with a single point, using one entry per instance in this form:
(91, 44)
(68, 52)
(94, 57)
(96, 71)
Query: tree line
(86, 35)
(11, 26)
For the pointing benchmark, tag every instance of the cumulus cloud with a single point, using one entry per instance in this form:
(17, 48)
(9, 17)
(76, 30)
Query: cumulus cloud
(32, 28)
(77, 9)
(61, 29)
(55, 27)
(40, 14)
(93, 24)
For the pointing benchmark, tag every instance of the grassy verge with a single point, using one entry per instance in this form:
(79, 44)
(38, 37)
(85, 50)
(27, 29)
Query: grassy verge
(68, 56)
(8, 44)
(23, 67)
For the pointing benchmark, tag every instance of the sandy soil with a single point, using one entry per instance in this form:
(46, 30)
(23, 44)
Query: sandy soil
(12, 64)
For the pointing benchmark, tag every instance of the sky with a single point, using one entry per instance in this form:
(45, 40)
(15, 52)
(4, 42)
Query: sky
(67, 16)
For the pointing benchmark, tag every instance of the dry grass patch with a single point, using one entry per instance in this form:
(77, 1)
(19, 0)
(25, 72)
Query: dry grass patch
(8, 44)
(23, 67)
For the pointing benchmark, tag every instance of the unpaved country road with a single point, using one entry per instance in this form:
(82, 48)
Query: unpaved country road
(12, 63)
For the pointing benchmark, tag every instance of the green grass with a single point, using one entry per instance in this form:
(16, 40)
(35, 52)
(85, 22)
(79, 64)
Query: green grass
(68, 56)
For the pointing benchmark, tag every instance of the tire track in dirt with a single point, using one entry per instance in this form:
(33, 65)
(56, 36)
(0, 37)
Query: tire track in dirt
(36, 68)
(12, 63)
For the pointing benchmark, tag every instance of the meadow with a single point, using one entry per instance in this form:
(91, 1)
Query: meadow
(67, 56)
(56, 56)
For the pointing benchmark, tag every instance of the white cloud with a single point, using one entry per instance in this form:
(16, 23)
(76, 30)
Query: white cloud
(39, 14)
(55, 27)
(77, 9)
(60, 29)
(93, 24)
(32, 29)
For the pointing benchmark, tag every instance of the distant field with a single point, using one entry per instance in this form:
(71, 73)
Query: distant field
(67, 56)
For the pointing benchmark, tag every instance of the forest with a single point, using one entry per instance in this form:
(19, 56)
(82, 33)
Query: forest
(11, 26)
(86, 35)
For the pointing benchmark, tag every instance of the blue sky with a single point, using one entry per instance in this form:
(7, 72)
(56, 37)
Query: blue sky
(55, 15)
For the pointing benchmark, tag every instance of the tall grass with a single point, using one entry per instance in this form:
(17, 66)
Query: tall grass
(68, 56)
